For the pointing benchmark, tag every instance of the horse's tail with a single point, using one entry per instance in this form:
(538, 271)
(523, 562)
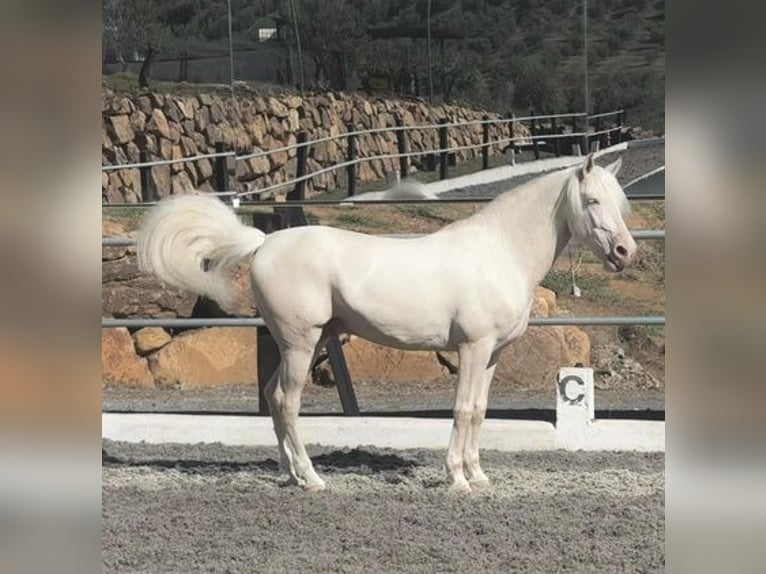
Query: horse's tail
(410, 189)
(405, 189)
(189, 241)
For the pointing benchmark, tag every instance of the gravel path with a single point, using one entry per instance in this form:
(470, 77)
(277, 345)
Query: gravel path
(635, 162)
(209, 508)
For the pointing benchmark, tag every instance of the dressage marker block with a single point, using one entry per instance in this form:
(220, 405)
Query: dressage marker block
(575, 428)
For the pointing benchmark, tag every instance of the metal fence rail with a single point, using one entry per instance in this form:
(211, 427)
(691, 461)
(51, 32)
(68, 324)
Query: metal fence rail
(534, 139)
(153, 163)
(178, 322)
(639, 234)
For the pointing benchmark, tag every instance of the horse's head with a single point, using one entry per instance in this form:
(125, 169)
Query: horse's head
(597, 206)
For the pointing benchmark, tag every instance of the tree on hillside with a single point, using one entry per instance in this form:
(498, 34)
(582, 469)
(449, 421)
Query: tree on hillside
(136, 25)
(330, 30)
(537, 87)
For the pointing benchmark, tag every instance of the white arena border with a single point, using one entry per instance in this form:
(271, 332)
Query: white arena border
(575, 428)
(536, 166)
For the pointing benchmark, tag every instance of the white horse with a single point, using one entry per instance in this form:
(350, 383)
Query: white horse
(467, 287)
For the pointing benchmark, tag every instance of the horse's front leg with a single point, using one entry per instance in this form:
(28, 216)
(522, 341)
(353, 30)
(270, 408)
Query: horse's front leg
(476, 476)
(474, 358)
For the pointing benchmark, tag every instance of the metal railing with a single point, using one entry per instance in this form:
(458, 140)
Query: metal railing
(639, 235)
(196, 323)
(538, 136)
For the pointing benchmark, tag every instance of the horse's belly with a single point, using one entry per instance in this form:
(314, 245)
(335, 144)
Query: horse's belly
(403, 330)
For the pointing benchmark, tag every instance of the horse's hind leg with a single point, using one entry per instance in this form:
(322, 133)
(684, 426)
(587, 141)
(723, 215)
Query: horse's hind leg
(275, 397)
(294, 370)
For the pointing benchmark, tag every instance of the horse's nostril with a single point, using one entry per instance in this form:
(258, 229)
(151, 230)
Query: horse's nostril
(621, 251)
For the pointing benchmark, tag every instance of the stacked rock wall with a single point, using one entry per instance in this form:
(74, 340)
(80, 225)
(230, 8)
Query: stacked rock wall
(151, 126)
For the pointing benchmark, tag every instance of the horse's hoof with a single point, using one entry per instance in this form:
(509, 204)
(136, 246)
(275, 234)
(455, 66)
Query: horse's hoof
(291, 481)
(314, 486)
(460, 487)
(480, 483)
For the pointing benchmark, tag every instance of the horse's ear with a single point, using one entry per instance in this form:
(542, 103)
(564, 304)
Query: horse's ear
(587, 167)
(615, 166)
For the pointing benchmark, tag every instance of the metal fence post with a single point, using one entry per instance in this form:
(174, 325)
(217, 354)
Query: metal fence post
(599, 135)
(485, 143)
(573, 140)
(556, 138)
(401, 148)
(585, 139)
(268, 363)
(146, 193)
(512, 135)
(299, 191)
(443, 155)
(351, 157)
(535, 145)
(220, 170)
(622, 126)
(342, 377)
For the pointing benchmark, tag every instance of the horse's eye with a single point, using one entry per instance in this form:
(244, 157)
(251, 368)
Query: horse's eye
(592, 201)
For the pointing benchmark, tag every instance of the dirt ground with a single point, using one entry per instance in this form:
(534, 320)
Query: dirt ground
(210, 508)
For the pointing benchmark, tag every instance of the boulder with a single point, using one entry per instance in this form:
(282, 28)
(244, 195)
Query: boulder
(293, 121)
(544, 303)
(121, 129)
(149, 339)
(138, 121)
(181, 184)
(578, 346)
(120, 365)
(277, 108)
(293, 102)
(532, 361)
(158, 124)
(159, 179)
(185, 108)
(207, 357)
(188, 146)
(202, 119)
(144, 296)
(260, 164)
(369, 362)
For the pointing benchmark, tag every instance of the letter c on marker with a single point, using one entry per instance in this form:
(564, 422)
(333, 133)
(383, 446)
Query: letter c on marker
(563, 389)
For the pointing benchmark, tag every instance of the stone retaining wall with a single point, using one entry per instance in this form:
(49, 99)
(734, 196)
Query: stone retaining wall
(152, 126)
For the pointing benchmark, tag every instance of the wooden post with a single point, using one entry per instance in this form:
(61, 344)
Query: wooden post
(351, 156)
(220, 169)
(443, 155)
(485, 143)
(556, 138)
(535, 145)
(401, 148)
(146, 193)
(299, 191)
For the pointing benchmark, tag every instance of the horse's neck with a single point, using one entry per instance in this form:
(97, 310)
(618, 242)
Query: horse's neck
(530, 224)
